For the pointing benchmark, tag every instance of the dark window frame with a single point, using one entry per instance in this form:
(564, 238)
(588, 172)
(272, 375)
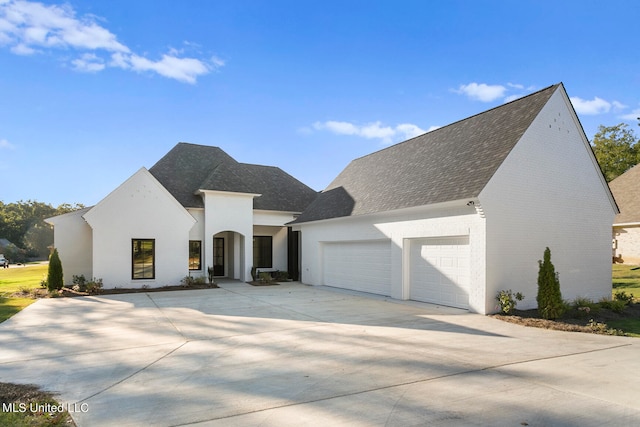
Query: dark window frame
(263, 251)
(199, 265)
(135, 263)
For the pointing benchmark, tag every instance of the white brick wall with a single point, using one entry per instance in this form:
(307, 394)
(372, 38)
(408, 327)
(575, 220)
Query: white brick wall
(627, 243)
(548, 192)
(140, 208)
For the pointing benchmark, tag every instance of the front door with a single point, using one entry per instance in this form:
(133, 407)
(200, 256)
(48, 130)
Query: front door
(218, 256)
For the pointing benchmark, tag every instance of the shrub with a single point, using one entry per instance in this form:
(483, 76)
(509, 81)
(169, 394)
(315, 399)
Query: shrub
(281, 276)
(265, 276)
(210, 274)
(617, 306)
(550, 304)
(55, 279)
(603, 328)
(624, 297)
(94, 286)
(79, 283)
(584, 307)
(507, 300)
(191, 281)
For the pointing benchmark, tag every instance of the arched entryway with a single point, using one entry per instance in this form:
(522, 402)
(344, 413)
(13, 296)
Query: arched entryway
(227, 255)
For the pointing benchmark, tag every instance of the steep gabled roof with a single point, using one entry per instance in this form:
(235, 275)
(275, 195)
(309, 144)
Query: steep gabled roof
(626, 191)
(451, 163)
(188, 168)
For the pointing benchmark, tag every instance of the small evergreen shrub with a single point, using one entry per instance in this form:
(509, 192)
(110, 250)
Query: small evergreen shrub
(550, 304)
(507, 300)
(55, 279)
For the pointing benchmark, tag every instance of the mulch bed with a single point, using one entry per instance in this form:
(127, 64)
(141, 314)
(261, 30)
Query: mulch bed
(568, 323)
(68, 292)
(27, 394)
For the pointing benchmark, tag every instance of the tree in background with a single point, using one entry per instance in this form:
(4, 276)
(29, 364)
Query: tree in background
(55, 279)
(550, 304)
(617, 149)
(22, 223)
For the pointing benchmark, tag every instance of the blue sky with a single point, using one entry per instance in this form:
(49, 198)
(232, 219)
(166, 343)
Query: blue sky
(90, 91)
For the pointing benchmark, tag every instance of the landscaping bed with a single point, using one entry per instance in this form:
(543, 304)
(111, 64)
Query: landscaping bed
(30, 406)
(595, 321)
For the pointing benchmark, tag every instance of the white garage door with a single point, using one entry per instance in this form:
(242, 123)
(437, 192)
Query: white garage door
(359, 266)
(440, 271)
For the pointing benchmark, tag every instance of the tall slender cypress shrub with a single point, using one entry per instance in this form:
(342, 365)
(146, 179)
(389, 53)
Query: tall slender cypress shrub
(550, 305)
(55, 279)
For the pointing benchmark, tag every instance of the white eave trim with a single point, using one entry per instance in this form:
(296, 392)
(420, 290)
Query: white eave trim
(225, 193)
(627, 224)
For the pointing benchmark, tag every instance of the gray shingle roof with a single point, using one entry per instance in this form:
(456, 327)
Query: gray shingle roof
(451, 163)
(190, 167)
(626, 191)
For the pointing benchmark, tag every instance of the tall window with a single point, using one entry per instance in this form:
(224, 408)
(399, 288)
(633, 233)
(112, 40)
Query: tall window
(262, 251)
(143, 259)
(195, 254)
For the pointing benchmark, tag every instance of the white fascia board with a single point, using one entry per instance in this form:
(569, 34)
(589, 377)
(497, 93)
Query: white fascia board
(627, 224)
(386, 214)
(52, 220)
(225, 193)
(266, 211)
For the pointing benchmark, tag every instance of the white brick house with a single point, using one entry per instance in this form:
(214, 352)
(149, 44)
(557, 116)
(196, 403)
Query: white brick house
(195, 208)
(455, 215)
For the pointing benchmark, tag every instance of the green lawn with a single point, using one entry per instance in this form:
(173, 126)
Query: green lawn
(14, 279)
(627, 280)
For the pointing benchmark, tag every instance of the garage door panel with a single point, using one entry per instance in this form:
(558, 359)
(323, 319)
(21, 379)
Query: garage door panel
(439, 271)
(360, 266)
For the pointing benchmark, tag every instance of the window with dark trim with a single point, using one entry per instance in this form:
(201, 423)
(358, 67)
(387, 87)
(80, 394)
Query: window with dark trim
(263, 251)
(195, 254)
(143, 258)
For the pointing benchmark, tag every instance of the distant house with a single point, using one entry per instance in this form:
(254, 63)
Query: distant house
(626, 226)
(194, 209)
(455, 215)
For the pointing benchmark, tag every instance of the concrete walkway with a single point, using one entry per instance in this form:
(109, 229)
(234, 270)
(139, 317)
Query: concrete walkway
(293, 355)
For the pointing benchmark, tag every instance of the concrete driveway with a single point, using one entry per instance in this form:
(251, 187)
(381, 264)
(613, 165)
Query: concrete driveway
(292, 355)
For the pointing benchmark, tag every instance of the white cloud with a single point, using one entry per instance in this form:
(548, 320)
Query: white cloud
(88, 63)
(513, 97)
(633, 115)
(183, 69)
(373, 130)
(593, 107)
(618, 106)
(28, 27)
(482, 92)
(5, 145)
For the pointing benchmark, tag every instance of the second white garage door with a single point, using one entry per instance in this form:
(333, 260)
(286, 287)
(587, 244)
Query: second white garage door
(440, 271)
(359, 266)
